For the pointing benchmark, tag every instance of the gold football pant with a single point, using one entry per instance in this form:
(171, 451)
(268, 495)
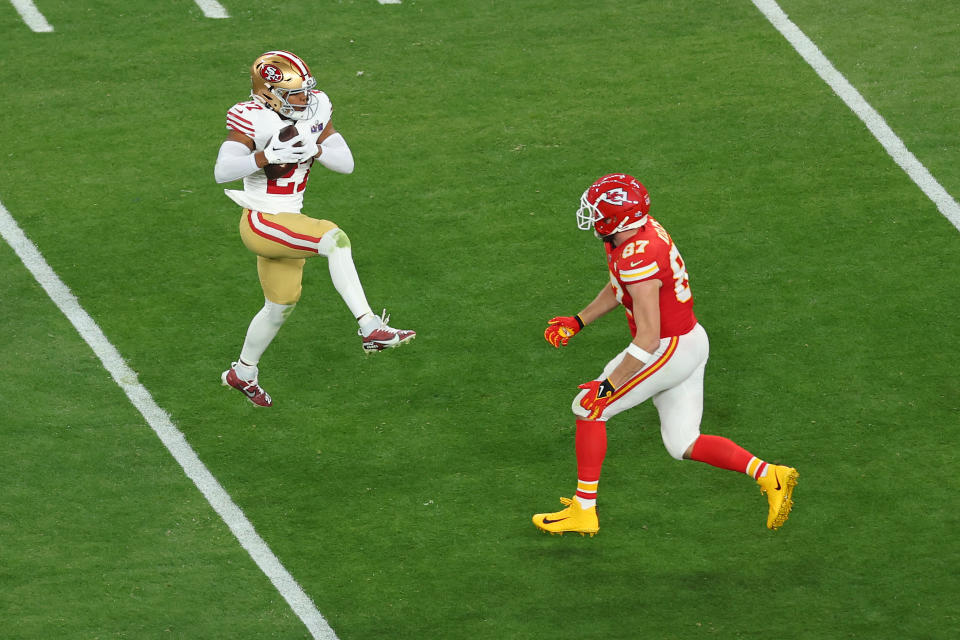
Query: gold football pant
(282, 242)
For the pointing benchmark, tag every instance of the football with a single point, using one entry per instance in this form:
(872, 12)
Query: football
(275, 171)
(288, 133)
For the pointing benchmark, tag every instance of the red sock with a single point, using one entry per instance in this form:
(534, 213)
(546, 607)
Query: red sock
(720, 452)
(591, 443)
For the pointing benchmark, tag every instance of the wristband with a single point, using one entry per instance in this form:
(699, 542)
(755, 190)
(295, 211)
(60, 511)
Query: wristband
(606, 389)
(579, 321)
(643, 356)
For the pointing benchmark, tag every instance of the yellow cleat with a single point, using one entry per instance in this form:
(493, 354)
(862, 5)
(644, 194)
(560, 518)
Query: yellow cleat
(778, 484)
(573, 518)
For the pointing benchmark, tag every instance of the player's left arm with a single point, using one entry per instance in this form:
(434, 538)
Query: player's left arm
(646, 315)
(333, 151)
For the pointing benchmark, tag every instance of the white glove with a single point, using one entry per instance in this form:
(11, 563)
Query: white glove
(310, 148)
(283, 152)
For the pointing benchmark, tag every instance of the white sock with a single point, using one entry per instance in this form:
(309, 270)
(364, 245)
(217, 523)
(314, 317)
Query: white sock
(335, 246)
(261, 332)
(585, 503)
(344, 275)
(368, 324)
(246, 371)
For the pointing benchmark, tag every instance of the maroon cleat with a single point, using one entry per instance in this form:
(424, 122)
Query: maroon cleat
(249, 388)
(386, 337)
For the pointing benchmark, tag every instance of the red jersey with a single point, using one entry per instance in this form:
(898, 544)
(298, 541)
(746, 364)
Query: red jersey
(651, 255)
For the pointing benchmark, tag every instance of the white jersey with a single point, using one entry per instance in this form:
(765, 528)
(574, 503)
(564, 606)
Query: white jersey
(259, 123)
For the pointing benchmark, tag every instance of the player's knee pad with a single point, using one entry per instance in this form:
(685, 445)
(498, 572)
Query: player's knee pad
(332, 240)
(277, 314)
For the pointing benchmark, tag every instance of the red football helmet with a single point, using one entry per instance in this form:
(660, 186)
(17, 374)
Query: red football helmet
(615, 202)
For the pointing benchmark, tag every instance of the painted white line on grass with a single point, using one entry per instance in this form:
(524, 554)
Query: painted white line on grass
(160, 422)
(34, 19)
(875, 123)
(212, 9)
(389, 1)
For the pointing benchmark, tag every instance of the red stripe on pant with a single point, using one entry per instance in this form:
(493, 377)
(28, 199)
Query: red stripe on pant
(647, 371)
(309, 242)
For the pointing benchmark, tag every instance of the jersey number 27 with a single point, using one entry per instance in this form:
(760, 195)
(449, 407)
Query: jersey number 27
(285, 186)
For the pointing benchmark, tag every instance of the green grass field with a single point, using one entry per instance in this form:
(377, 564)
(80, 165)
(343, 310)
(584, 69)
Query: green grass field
(397, 489)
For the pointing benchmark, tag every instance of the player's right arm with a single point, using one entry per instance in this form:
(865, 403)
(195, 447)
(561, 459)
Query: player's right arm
(237, 158)
(562, 328)
(248, 142)
(605, 302)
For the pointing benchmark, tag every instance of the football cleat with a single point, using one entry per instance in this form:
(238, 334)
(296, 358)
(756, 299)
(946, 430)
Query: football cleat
(249, 388)
(572, 519)
(778, 485)
(385, 337)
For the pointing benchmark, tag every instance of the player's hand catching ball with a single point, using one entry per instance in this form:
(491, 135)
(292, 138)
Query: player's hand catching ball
(561, 329)
(281, 149)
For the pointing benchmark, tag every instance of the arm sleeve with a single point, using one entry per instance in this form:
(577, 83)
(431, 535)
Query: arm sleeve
(234, 161)
(336, 154)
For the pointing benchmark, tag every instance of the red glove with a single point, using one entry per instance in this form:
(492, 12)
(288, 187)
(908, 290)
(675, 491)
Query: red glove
(597, 397)
(561, 329)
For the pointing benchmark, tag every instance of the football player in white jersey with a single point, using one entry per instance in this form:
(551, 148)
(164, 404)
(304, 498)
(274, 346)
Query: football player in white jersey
(274, 162)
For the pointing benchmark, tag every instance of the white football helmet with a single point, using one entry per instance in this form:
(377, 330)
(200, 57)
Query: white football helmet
(616, 202)
(277, 75)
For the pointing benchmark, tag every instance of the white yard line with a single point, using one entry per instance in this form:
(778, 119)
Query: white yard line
(31, 16)
(160, 422)
(875, 123)
(212, 9)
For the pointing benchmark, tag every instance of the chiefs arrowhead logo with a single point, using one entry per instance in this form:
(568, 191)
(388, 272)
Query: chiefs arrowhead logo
(617, 197)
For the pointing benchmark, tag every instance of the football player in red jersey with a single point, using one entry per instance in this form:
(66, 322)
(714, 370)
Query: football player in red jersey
(665, 360)
(275, 173)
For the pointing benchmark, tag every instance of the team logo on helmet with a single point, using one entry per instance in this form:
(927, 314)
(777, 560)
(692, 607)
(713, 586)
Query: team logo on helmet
(270, 73)
(617, 197)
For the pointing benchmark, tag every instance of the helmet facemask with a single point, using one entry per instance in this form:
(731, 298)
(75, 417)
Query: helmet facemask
(297, 111)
